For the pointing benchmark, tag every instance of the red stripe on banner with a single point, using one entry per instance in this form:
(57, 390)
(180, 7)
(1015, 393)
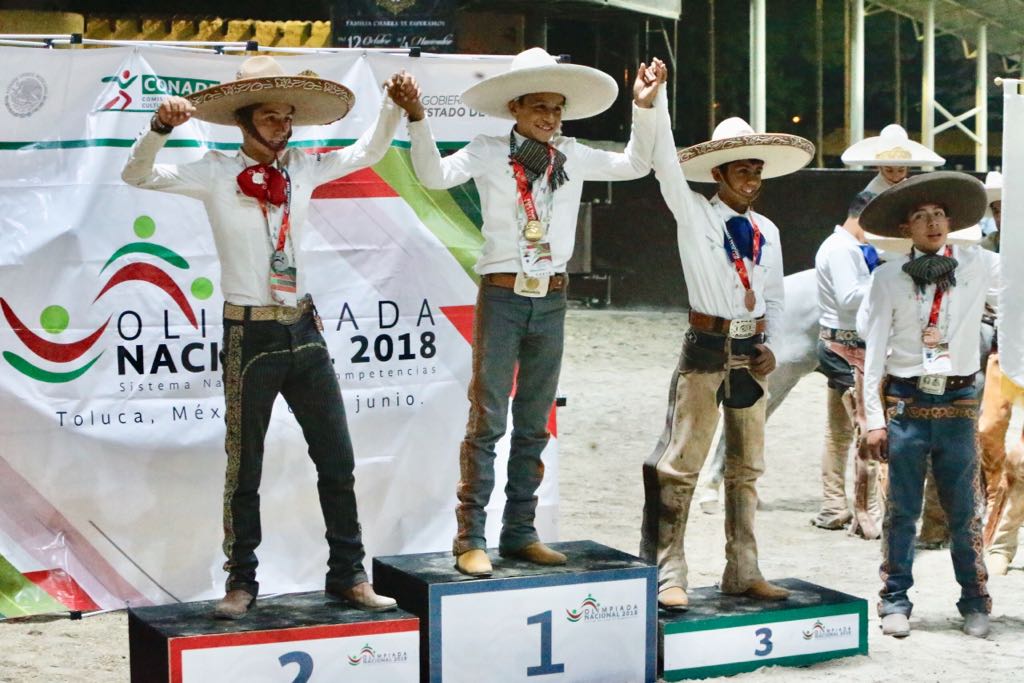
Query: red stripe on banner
(176, 646)
(362, 184)
(61, 586)
(44, 348)
(461, 318)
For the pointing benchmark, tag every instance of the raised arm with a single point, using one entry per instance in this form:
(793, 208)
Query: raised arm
(141, 169)
(370, 148)
(681, 200)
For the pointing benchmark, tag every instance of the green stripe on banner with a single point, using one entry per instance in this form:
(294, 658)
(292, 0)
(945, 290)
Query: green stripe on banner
(437, 209)
(20, 597)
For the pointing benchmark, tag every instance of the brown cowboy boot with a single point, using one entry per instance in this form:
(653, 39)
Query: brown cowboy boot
(538, 553)
(362, 597)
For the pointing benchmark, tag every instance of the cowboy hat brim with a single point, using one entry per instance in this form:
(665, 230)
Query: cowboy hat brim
(317, 101)
(587, 91)
(876, 152)
(962, 195)
(994, 194)
(782, 154)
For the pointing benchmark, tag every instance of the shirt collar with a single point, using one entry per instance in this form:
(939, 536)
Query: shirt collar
(917, 253)
(249, 161)
(726, 211)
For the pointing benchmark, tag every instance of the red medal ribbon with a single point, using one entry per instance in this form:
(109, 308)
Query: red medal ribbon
(933, 317)
(737, 259)
(523, 183)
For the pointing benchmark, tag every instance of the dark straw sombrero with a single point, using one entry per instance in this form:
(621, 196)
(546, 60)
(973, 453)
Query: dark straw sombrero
(963, 196)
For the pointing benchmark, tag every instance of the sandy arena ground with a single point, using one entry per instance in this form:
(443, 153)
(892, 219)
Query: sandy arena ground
(616, 373)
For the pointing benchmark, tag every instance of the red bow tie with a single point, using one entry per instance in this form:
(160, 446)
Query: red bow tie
(263, 183)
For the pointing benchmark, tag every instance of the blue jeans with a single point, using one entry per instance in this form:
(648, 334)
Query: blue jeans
(508, 329)
(262, 359)
(949, 444)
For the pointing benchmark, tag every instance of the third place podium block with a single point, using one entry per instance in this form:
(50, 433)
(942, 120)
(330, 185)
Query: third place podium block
(722, 635)
(591, 620)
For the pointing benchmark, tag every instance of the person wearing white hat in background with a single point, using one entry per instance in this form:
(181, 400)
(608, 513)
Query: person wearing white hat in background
(893, 153)
(257, 201)
(921, 321)
(530, 182)
(1004, 471)
(732, 264)
(843, 266)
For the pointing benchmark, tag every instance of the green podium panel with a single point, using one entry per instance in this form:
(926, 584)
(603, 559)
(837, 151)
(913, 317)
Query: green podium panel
(722, 635)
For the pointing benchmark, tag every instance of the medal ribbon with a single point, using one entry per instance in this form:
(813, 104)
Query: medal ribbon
(933, 316)
(737, 258)
(523, 184)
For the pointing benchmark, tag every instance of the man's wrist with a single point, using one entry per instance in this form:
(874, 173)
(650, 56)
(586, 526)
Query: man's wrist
(158, 126)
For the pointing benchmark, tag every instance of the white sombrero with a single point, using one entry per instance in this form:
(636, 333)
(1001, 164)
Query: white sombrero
(892, 147)
(261, 80)
(587, 91)
(734, 140)
(994, 186)
(962, 195)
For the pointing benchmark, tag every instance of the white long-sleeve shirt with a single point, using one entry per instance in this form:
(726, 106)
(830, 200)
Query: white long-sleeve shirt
(893, 317)
(713, 285)
(241, 234)
(843, 279)
(485, 160)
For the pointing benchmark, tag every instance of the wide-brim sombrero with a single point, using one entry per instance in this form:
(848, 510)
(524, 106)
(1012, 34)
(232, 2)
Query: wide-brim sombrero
(587, 91)
(891, 147)
(962, 195)
(260, 80)
(734, 140)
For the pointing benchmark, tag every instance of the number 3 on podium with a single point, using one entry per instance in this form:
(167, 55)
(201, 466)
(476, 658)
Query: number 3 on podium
(765, 642)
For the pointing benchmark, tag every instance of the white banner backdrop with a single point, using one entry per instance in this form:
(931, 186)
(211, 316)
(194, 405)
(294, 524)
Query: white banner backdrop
(1011, 240)
(112, 462)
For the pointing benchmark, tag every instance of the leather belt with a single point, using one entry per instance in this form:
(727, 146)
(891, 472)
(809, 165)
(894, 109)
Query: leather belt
(953, 382)
(737, 329)
(897, 407)
(286, 315)
(832, 334)
(557, 282)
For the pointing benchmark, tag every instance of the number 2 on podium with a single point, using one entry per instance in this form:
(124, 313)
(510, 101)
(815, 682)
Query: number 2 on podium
(545, 667)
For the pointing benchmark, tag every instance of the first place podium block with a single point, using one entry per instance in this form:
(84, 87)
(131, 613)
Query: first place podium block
(287, 638)
(591, 620)
(721, 635)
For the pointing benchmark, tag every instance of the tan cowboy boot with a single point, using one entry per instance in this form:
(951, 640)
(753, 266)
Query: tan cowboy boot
(474, 563)
(234, 605)
(362, 597)
(839, 433)
(674, 599)
(537, 553)
(762, 590)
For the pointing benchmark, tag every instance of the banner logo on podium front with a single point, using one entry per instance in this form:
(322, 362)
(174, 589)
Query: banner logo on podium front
(370, 656)
(591, 610)
(822, 632)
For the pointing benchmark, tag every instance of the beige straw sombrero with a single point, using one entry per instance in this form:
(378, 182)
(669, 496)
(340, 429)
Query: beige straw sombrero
(734, 140)
(260, 80)
(892, 147)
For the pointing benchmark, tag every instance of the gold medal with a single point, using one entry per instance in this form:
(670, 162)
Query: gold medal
(750, 299)
(931, 336)
(533, 231)
(532, 282)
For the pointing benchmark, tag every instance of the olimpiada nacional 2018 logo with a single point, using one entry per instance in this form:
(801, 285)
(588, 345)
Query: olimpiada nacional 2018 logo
(45, 360)
(591, 610)
(368, 655)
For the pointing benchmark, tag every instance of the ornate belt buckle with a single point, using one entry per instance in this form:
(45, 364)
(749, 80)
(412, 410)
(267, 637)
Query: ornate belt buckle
(742, 329)
(932, 384)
